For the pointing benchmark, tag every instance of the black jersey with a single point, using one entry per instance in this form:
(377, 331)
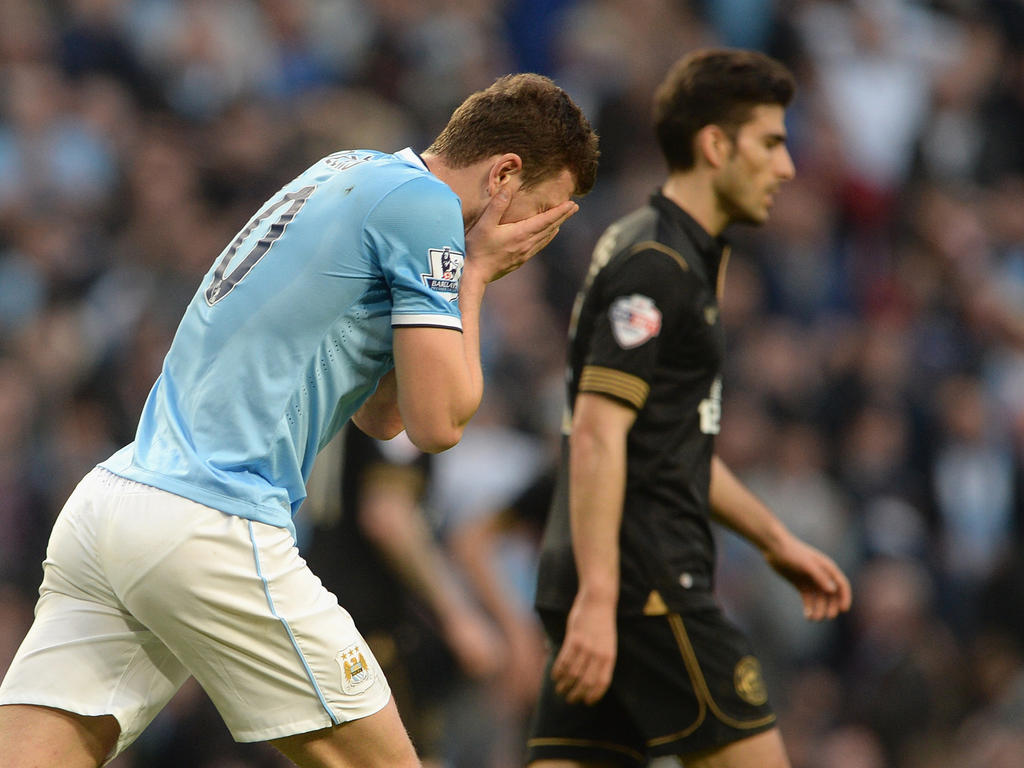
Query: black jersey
(646, 332)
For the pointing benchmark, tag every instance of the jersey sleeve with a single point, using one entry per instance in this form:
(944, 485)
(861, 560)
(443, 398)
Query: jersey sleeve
(640, 301)
(416, 231)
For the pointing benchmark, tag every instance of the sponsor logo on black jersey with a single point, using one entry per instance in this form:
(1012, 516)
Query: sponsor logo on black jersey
(634, 320)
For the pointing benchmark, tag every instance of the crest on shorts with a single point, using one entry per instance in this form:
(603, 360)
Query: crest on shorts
(749, 682)
(445, 272)
(635, 319)
(356, 674)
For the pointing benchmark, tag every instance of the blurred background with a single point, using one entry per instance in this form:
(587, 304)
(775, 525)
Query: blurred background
(874, 394)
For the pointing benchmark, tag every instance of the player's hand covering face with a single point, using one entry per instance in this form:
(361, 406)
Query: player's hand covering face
(517, 224)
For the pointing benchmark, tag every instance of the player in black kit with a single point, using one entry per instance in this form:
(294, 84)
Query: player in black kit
(644, 663)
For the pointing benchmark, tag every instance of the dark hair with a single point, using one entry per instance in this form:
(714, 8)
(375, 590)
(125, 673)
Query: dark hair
(714, 87)
(531, 116)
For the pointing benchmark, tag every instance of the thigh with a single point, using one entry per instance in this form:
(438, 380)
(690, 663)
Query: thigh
(32, 736)
(232, 598)
(561, 733)
(375, 741)
(691, 681)
(762, 750)
(84, 652)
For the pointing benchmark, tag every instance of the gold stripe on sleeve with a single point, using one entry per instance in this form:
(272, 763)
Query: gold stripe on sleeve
(618, 384)
(654, 245)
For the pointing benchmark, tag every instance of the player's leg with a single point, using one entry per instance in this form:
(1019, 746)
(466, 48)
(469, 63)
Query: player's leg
(564, 735)
(31, 736)
(88, 676)
(376, 741)
(738, 727)
(278, 657)
(763, 750)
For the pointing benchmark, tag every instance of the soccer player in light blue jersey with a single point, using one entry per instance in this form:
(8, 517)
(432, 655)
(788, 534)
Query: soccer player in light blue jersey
(353, 293)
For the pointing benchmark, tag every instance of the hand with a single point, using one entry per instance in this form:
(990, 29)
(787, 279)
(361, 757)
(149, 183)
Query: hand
(823, 587)
(583, 668)
(495, 249)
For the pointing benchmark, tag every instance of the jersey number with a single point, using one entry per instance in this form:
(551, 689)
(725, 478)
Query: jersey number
(222, 285)
(710, 409)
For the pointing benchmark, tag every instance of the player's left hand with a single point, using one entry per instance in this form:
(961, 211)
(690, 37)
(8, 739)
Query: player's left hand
(823, 586)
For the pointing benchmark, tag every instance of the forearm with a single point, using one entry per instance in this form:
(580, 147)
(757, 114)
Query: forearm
(736, 507)
(471, 296)
(440, 379)
(597, 488)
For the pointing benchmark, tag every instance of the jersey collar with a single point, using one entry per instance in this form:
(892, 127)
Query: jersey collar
(412, 156)
(710, 248)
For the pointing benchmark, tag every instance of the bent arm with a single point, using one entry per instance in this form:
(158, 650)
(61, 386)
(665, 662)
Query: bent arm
(379, 416)
(736, 507)
(823, 586)
(440, 380)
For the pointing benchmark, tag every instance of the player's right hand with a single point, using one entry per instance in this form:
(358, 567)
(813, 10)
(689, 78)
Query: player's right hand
(583, 667)
(495, 249)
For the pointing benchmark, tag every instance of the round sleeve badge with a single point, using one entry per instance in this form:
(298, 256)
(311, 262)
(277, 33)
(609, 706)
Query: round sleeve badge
(634, 319)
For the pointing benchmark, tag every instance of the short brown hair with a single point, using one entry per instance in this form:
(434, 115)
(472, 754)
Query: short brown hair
(531, 116)
(718, 86)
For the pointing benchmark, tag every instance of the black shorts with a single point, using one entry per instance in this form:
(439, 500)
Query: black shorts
(681, 685)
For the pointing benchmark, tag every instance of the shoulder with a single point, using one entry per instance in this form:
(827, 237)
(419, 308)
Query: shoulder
(635, 249)
(417, 198)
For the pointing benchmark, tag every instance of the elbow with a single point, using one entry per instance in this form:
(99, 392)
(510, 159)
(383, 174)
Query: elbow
(380, 429)
(435, 439)
(388, 431)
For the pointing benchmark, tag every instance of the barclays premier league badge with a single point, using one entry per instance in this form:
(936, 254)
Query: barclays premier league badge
(445, 272)
(634, 319)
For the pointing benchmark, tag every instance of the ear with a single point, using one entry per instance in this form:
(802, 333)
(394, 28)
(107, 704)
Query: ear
(713, 145)
(503, 169)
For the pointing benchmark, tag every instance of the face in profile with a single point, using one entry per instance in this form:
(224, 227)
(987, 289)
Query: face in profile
(759, 164)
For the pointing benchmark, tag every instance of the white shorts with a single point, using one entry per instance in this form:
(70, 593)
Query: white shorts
(142, 588)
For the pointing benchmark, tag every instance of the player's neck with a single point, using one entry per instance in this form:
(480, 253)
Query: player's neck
(694, 193)
(466, 182)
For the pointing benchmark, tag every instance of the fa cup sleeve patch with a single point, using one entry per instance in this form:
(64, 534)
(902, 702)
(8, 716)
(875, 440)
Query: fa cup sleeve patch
(634, 320)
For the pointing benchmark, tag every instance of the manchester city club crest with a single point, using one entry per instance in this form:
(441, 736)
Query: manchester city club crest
(445, 272)
(356, 674)
(634, 319)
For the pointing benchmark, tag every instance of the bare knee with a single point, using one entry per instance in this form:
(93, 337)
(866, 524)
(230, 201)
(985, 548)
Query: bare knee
(31, 735)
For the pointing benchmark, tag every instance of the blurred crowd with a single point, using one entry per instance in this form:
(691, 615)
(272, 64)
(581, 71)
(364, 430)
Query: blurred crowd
(875, 389)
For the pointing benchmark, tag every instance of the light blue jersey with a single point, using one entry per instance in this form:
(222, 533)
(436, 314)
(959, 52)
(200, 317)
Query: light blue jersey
(291, 330)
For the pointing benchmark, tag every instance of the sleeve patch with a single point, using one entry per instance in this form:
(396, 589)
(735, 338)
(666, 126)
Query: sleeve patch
(634, 320)
(445, 272)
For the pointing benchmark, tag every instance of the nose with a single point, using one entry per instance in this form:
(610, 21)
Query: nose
(785, 169)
